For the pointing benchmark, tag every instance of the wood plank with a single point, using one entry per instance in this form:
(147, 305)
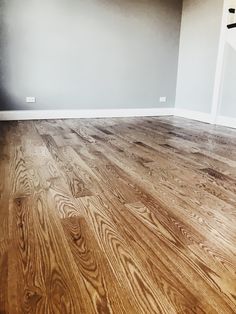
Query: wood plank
(4, 213)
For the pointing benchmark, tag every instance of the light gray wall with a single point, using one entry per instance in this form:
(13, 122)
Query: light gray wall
(228, 101)
(199, 39)
(89, 54)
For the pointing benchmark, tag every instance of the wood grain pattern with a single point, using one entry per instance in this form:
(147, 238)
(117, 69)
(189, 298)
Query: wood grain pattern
(131, 215)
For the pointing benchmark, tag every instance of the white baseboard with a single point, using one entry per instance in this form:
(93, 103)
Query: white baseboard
(226, 121)
(205, 117)
(106, 113)
(193, 115)
(67, 114)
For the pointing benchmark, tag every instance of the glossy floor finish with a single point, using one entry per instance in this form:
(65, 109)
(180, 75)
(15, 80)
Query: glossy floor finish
(134, 215)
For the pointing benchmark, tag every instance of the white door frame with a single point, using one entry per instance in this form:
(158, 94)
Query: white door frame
(220, 60)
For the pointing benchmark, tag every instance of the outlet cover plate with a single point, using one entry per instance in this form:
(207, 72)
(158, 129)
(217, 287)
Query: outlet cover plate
(30, 99)
(163, 99)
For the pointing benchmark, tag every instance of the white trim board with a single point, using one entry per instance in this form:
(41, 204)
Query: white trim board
(226, 121)
(67, 114)
(106, 113)
(193, 115)
(220, 62)
(206, 117)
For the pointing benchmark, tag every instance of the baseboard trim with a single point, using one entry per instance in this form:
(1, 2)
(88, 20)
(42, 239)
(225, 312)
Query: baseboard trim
(226, 121)
(193, 115)
(67, 114)
(107, 113)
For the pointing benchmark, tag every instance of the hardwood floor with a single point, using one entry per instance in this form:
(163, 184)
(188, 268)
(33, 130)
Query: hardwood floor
(133, 215)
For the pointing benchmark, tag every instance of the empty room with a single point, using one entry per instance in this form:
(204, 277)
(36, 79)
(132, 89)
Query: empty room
(117, 156)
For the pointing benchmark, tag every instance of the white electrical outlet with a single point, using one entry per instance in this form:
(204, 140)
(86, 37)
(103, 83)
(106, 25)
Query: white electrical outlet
(30, 99)
(163, 99)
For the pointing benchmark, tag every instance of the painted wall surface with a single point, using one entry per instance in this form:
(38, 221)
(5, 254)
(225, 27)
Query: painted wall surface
(199, 40)
(228, 99)
(88, 54)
